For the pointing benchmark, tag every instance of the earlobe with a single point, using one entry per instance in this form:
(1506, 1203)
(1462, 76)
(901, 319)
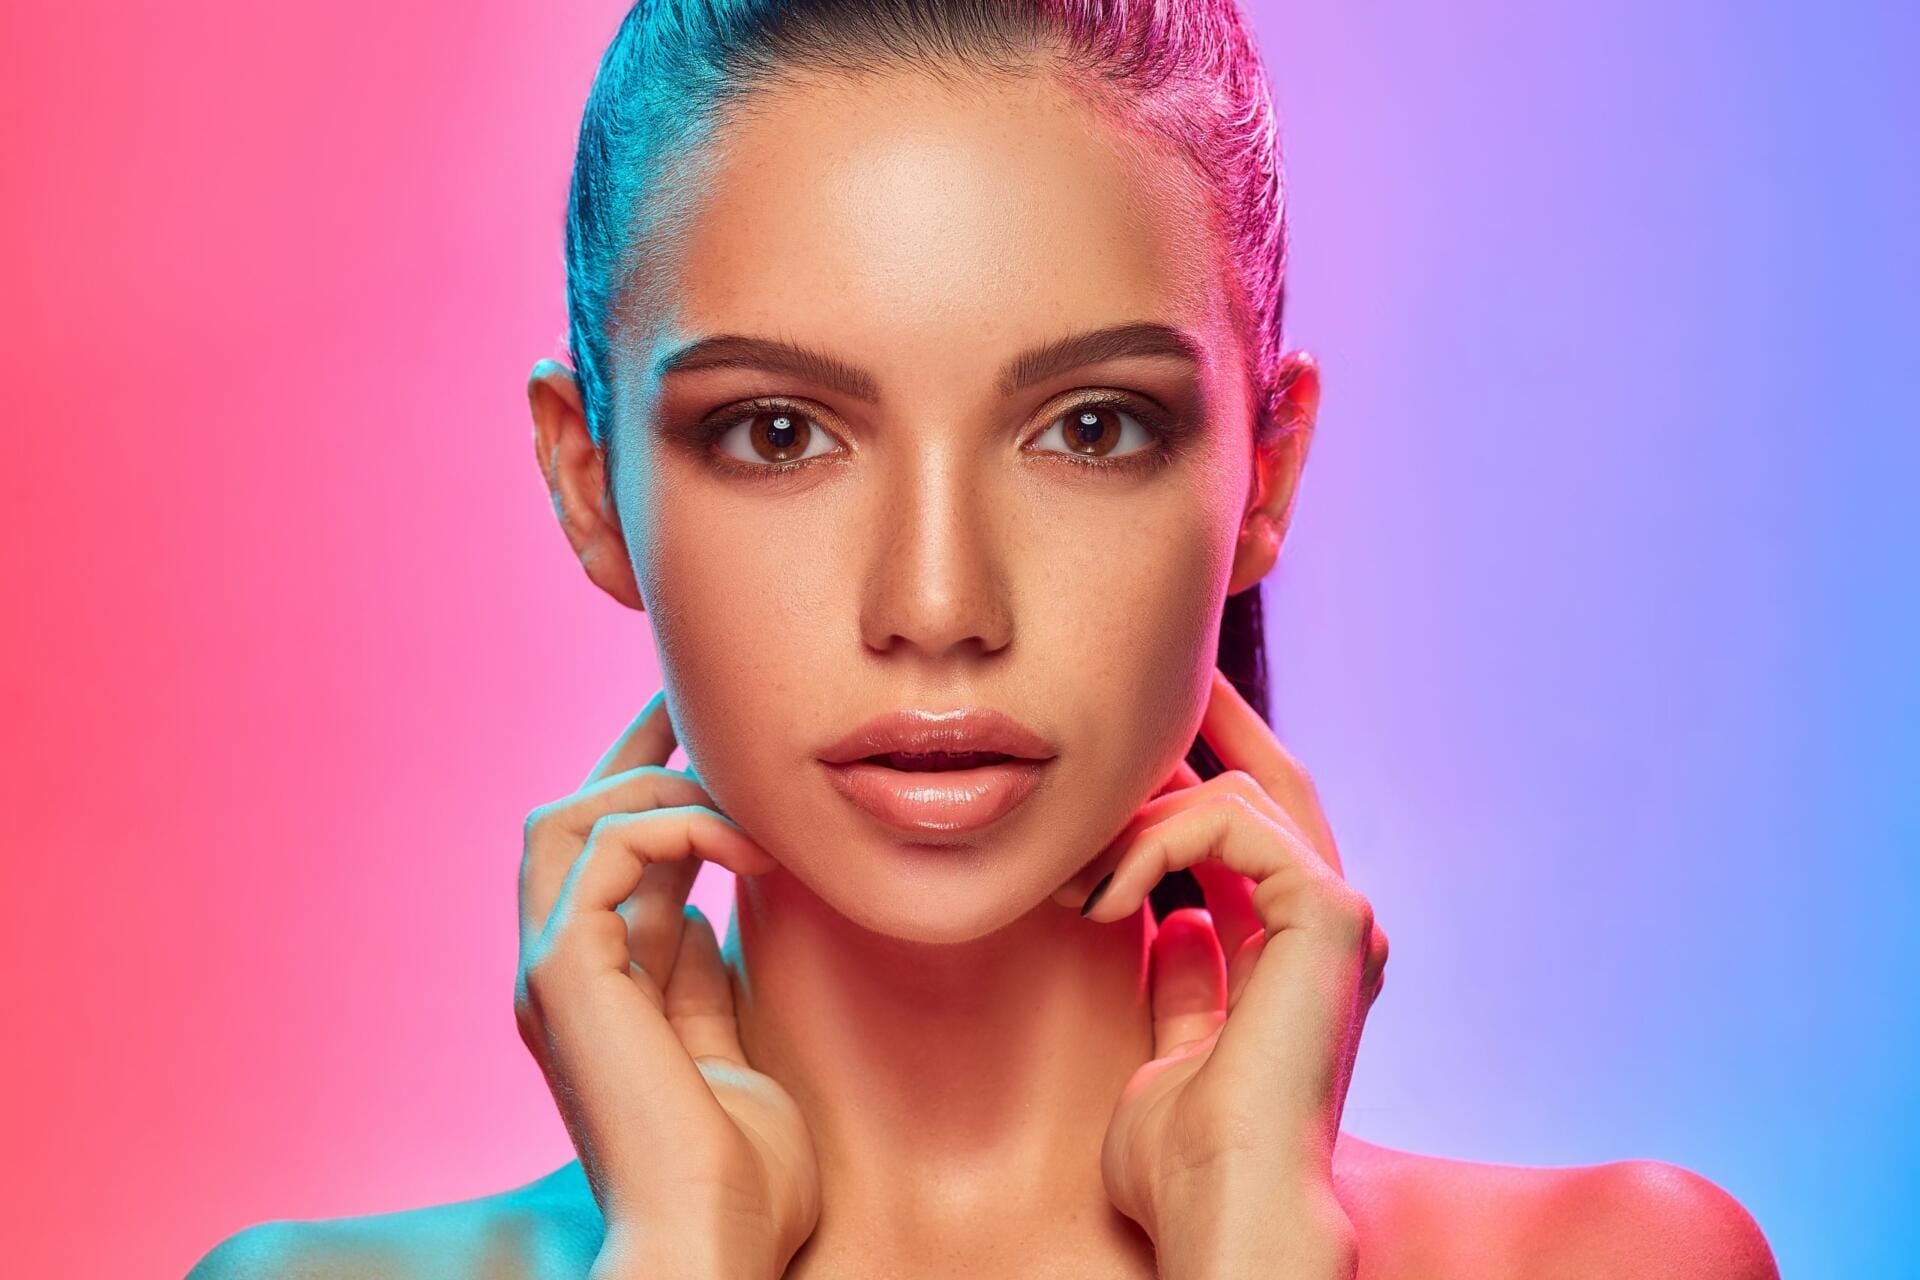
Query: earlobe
(574, 470)
(1255, 554)
(1277, 468)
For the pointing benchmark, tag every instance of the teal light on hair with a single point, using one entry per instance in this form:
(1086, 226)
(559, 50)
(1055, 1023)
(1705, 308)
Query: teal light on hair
(1186, 69)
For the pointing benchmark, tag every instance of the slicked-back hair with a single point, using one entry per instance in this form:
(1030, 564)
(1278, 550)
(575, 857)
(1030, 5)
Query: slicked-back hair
(1187, 70)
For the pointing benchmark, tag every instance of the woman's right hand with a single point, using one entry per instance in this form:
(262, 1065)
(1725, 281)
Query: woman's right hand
(700, 1164)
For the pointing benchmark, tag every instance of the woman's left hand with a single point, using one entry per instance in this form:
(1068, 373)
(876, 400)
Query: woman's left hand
(1227, 1135)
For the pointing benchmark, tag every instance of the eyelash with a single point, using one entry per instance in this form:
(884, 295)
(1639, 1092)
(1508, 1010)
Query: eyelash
(1169, 437)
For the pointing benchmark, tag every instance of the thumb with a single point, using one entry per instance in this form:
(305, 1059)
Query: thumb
(1189, 980)
(699, 999)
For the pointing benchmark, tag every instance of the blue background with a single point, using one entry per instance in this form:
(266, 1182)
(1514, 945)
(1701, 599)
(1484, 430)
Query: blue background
(1599, 623)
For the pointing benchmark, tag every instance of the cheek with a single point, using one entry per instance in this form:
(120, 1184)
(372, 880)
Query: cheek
(1134, 632)
(741, 615)
(1115, 600)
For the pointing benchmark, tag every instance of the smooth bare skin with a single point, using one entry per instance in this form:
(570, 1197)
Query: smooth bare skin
(956, 1039)
(608, 993)
(953, 1033)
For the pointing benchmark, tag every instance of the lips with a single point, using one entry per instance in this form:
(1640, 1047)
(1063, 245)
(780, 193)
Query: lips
(965, 730)
(946, 800)
(925, 771)
(938, 761)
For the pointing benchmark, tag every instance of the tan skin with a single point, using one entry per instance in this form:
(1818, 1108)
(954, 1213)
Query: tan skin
(947, 1062)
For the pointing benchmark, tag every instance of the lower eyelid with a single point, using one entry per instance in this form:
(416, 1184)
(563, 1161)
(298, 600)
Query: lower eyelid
(1165, 439)
(714, 431)
(1159, 436)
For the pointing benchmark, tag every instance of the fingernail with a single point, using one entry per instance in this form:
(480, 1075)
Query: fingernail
(1098, 889)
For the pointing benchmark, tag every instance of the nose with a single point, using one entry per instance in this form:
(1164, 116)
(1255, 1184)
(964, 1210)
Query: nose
(936, 579)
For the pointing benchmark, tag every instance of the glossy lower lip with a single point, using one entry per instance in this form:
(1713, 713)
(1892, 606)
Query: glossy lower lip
(937, 800)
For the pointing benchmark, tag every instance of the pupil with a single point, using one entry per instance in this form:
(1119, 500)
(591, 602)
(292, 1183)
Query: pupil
(1088, 429)
(777, 434)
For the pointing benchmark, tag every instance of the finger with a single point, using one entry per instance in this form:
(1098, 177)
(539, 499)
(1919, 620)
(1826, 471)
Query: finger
(1229, 894)
(556, 832)
(656, 911)
(1229, 898)
(1182, 777)
(1374, 977)
(1300, 1013)
(1178, 831)
(609, 870)
(602, 1033)
(656, 915)
(632, 841)
(649, 739)
(1075, 890)
(1240, 967)
(1295, 1021)
(1244, 740)
(1189, 981)
(1243, 935)
(699, 1000)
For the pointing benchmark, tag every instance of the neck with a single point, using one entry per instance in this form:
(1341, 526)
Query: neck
(943, 1080)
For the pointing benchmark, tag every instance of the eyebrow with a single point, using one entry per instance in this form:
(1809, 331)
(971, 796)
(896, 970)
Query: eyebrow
(739, 351)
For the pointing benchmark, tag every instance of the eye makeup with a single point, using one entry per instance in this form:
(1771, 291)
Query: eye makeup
(1171, 435)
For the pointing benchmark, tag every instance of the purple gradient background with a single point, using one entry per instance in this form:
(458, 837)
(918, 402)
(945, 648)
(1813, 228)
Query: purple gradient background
(1598, 622)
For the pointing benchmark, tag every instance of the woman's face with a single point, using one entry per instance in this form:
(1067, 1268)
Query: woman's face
(920, 532)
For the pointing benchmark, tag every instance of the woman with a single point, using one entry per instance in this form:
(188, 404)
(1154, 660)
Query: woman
(928, 393)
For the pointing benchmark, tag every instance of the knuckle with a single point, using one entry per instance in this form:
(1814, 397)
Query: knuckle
(1242, 804)
(1373, 970)
(535, 988)
(544, 976)
(1349, 913)
(607, 827)
(578, 939)
(1246, 793)
(1239, 782)
(544, 824)
(526, 1011)
(1362, 910)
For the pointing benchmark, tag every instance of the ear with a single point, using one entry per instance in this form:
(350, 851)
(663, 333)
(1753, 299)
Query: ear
(575, 473)
(1276, 472)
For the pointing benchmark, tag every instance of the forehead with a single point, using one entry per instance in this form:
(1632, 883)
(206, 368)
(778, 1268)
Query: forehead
(933, 227)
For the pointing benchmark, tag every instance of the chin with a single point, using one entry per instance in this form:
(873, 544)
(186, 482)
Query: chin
(912, 888)
(947, 921)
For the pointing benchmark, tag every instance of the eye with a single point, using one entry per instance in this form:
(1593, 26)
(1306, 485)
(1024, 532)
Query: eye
(1094, 429)
(771, 436)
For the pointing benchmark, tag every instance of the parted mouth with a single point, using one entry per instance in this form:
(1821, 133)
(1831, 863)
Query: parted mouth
(937, 761)
(914, 740)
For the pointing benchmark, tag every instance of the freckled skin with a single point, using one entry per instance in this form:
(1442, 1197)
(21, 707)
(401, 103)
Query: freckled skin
(926, 238)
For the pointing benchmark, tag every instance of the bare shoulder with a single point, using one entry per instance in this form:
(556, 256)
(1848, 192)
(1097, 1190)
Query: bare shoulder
(1428, 1216)
(1646, 1218)
(544, 1230)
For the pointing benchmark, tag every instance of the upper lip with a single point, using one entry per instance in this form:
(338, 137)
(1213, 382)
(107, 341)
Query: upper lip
(963, 729)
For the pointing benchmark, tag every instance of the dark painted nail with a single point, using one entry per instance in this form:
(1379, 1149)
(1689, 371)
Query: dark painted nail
(1098, 889)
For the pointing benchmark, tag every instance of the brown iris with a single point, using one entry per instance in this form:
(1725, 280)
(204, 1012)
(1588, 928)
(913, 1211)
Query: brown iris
(779, 435)
(1092, 429)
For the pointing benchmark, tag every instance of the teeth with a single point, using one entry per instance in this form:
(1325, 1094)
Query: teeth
(914, 762)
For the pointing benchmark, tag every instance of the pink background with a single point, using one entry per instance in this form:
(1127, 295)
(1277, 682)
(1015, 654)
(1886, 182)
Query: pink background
(1596, 625)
